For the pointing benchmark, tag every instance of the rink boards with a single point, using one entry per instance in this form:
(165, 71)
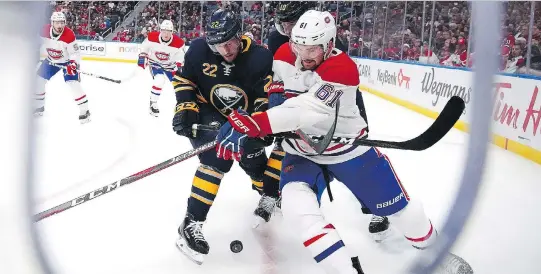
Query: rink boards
(516, 100)
(516, 113)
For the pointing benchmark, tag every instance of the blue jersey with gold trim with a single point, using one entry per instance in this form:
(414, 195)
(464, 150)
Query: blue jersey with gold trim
(206, 78)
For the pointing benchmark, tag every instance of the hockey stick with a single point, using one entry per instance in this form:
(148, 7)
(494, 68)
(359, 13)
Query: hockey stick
(316, 144)
(443, 124)
(89, 74)
(122, 182)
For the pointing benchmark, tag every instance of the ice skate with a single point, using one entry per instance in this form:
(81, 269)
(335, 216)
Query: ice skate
(453, 264)
(191, 240)
(264, 209)
(38, 112)
(154, 111)
(84, 118)
(379, 228)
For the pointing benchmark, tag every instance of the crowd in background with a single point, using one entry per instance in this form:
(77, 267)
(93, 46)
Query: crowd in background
(436, 33)
(93, 19)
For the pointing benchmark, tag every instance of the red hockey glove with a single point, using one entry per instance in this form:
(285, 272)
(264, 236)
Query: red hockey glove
(253, 126)
(141, 61)
(72, 67)
(275, 87)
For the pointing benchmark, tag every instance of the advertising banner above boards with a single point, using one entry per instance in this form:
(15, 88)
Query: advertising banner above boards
(112, 51)
(516, 111)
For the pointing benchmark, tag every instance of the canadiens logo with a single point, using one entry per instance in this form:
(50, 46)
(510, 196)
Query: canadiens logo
(54, 53)
(162, 56)
(227, 97)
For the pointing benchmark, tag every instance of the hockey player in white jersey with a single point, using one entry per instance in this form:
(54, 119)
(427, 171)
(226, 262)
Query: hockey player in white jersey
(62, 54)
(327, 76)
(287, 14)
(165, 54)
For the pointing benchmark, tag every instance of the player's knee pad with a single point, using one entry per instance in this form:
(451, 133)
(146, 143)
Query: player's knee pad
(159, 81)
(254, 163)
(300, 206)
(206, 183)
(208, 158)
(414, 224)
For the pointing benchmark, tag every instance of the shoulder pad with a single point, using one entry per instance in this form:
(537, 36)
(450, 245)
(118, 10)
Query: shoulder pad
(154, 36)
(67, 36)
(177, 42)
(339, 69)
(285, 54)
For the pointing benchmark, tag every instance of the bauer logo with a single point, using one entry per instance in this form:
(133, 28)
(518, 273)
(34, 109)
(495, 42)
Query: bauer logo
(92, 48)
(391, 202)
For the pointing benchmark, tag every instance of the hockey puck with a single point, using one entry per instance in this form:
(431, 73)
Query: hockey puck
(236, 246)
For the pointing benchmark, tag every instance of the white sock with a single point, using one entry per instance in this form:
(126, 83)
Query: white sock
(79, 96)
(155, 94)
(39, 99)
(415, 225)
(301, 209)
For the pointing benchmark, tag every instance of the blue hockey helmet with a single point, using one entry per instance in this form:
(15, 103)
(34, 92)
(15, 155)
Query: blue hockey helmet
(223, 25)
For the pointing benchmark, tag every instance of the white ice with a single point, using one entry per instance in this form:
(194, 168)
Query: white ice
(133, 229)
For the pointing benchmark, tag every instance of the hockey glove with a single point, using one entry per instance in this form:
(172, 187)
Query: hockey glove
(276, 94)
(72, 67)
(141, 62)
(186, 115)
(235, 135)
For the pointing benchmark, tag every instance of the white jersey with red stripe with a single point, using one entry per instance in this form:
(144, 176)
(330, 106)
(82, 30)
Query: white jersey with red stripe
(59, 48)
(311, 104)
(164, 54)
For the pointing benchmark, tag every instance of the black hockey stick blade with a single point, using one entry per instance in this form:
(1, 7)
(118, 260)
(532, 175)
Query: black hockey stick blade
(320, 145)
(125, 181)
(444, 123)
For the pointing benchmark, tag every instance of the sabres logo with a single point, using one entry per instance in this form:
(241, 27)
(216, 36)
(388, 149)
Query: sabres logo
(54, 53)
(162, 56)
(226, 98)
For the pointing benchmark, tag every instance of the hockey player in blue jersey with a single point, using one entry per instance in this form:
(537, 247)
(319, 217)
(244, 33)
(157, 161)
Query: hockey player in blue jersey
(222, 72)
(327, 77)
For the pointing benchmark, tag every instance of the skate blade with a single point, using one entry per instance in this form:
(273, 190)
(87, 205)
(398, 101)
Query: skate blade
(84, 121)
(379, 237)
(194, 256)
(153, 114)
(258, 221)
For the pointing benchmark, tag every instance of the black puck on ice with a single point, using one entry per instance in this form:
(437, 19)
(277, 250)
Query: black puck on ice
(236, 246)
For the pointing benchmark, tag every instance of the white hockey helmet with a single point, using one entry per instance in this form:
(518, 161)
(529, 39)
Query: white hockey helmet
(315, 28)
(58, 16)
(167, 25)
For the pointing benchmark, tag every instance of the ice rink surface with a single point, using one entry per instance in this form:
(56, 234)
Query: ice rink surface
(133, 229)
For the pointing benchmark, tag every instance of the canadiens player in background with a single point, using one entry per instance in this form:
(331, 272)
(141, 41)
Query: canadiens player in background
(328, 76)
(222, 72)
(287, 15)
(165, 54)
(62, 54)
